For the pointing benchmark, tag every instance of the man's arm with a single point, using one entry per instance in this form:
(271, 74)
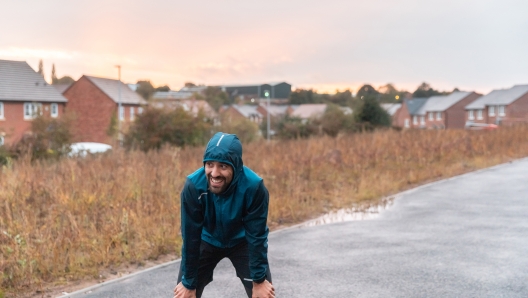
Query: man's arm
(257, 233)
(191, 228)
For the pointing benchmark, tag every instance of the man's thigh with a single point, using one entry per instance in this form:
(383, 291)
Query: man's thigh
(239, 257)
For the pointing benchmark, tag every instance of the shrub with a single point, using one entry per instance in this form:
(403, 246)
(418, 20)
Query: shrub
(156, 127)
(246, 130)
(370, 114)
(296, 128)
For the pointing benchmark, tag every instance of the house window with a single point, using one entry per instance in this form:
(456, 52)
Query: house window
(422, 120)
(140, 110)
(479, 115)
(502, 111)
(31, 109)
(406, 124)
(491, 110)
(131, 113)
(1, 140)
(415, 120)
(471, 116)
(438, 115)
(54, 110)
(430, 116)
(1, 110)
(121, 113)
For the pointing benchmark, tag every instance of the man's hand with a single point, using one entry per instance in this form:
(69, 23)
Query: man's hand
(182, 292)
(263, 290)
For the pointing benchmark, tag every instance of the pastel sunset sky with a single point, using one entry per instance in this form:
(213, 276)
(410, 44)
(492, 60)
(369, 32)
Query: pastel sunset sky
(327, 45)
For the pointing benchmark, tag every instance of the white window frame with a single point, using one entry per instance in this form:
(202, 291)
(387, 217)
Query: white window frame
(415, 120)
(31, 109)
(121, 113)
(471, 115)
(1, 140)
(140, 110)
(54, 110)
(438, 115)
(480, 115)
(502, 111)
(422, 120)
(431, 118)
(131, 113)
(2, 110)
(406, 123)
(491, 110)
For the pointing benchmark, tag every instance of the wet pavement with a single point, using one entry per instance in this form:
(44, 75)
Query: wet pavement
(462, 237)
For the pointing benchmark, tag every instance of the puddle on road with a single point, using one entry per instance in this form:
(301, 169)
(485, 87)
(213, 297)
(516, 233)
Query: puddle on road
(350, 214)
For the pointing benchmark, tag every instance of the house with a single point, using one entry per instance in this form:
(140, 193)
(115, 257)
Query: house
(277, 90)
(94, 102)
(249, 112)
(447, 112)
(23, 94)
(307, 111)
(392, 109)
(407, 116)
(275, 111)
(193, 106)
(183, 93)
(504, 106)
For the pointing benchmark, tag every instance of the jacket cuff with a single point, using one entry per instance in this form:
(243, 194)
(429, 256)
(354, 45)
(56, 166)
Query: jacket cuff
(260, 280)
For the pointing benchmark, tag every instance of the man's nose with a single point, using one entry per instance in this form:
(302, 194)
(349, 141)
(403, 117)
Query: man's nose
(215, 172)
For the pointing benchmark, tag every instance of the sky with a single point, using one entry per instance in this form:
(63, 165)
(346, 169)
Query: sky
(474, 45)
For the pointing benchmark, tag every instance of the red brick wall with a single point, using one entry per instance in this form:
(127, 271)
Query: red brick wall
(517, 111)
(92, 110)
(399, 117)
(13, 125)
(455, 116)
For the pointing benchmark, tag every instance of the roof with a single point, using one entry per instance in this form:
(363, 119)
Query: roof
(19, 82)
(172, 95)
(247, 110)
(61, 87)
(305, 111)
(189, 105)
(253, 85)
(413, 105)
(443, 103)
(499, 97)
(391, 108)
(275, 110)
(111, 88)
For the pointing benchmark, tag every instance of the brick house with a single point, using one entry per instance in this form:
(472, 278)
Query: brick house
(447, 111)
(242, 111)
(393, 109)
(23, 94)
(504, 106)
(94, 101)
(407, 116)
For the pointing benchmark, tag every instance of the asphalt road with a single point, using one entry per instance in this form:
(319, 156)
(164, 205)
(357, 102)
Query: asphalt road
(462, 237)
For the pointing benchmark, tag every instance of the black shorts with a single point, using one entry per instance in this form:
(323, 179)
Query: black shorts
(211, 255)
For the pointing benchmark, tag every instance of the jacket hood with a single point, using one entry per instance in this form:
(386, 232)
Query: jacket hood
(226, 148)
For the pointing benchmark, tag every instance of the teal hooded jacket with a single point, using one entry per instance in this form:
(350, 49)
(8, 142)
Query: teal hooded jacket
(227, 219)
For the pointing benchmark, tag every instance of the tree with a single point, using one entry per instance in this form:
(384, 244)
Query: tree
(333, 120)
(341, 98)
(367, 91)
(301, 96)
(425, 90)
(145, 89)
(53, 75)
(246, 130)
(295, 128)
(189, 84)
(162, 88)
(65, 80)
(215, 97)
(41, 68)
(372, 114)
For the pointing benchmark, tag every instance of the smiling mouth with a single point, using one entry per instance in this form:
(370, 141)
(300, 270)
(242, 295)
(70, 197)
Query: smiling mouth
(216, 182)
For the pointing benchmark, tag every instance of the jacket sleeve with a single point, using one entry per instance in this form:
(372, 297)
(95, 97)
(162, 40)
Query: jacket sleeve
(257, 233)
(191, 228)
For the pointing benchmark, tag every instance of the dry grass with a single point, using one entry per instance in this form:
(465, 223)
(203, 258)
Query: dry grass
(66, 220)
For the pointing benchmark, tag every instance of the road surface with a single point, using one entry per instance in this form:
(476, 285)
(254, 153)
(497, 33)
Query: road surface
(462, 237)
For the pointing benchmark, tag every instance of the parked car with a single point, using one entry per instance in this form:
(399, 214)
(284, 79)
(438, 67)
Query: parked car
(82, 148)
(481, 126)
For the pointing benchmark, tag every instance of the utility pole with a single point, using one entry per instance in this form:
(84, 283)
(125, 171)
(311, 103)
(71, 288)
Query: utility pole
(267, 94)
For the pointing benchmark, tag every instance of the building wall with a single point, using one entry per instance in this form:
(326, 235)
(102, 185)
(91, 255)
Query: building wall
(455, 116)
(92, 110)
(13, 126)
(517, 111)
(399, 117)
(232, 114)
(435, 123)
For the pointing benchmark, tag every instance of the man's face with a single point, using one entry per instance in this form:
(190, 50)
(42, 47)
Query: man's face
(219, 175)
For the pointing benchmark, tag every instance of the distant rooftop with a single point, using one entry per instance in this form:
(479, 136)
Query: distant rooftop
(499, 97)
(415, 104)
(19, 82)
(391, 108)
(112, 88)
(306, 111)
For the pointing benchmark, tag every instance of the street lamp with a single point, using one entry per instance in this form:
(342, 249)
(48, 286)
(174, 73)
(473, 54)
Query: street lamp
(267, 94)
(119, 103)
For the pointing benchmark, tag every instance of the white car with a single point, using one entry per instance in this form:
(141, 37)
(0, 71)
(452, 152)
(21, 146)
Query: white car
(80, 149)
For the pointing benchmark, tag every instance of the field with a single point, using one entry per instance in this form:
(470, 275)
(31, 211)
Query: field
(65, 221)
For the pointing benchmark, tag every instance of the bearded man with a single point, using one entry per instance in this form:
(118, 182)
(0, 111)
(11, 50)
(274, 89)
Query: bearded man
(224, 210)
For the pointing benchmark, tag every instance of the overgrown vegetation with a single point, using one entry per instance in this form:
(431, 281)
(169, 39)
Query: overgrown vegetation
(66, 220)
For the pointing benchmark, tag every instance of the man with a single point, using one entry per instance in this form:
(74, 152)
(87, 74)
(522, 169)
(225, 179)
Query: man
(224, 209)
